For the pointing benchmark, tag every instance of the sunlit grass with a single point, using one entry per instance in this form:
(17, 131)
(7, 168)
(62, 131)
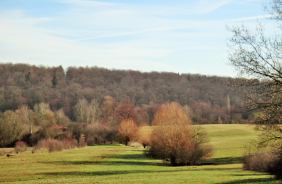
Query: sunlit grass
(121, 164)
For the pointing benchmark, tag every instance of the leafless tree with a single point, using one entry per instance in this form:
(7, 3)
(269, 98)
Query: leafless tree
(257, 58)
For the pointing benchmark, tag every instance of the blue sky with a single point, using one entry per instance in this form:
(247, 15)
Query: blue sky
(185, 36)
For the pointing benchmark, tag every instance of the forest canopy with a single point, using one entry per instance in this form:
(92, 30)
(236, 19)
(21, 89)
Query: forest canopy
(208, 98)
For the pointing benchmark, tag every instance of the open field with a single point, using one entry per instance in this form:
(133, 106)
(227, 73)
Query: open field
(121, 164)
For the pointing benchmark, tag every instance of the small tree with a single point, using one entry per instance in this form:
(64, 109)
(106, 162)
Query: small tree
(10, 128)
(127, 130)
(174, 137)
(144, 136)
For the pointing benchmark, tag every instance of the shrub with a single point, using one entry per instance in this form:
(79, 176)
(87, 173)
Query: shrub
(264, 161)
(10, 128)
(96, 133)
(20, 146)
(144, 136)
(127, 130)
(2, 152)
(55, 145)
(42, 144)
(135, 144)
(174, 139)
(260, 161)
(82, 143)
(93, 140)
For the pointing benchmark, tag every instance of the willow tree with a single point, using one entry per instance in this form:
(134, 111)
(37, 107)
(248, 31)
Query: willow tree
(10, 128)
(174, 138)
(127, 130)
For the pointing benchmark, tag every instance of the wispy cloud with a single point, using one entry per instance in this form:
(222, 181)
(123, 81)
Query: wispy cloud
(86, 3)
(251, 18)
(161, 36)
(132, 32)
(208, 6)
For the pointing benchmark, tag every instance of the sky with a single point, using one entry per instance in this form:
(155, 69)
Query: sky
(182, 36)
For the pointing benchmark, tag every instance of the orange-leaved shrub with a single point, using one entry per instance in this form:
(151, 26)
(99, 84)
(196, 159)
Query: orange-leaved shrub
(175, 139)
(144, 135)
(20, 146)
(127, 130)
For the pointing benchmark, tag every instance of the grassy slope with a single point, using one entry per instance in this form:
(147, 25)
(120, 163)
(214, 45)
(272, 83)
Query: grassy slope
(120, 164)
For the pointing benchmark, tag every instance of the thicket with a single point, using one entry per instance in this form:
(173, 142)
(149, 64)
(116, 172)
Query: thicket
(53, 145)
(20, 146)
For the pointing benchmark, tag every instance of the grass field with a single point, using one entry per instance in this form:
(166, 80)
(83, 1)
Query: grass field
(121, 164)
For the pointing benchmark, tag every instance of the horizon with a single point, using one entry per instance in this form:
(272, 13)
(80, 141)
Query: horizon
(179, 37)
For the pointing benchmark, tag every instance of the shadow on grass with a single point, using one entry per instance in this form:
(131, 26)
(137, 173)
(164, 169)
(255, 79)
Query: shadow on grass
(222, 161)
(104, 173)
(259, 180)
(140, 159)
(137, 163)
(112, 159)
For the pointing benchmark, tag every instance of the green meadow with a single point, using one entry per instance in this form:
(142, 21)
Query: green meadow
(121, 164)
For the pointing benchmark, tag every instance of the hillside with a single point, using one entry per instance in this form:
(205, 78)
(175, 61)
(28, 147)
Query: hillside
(208, 97)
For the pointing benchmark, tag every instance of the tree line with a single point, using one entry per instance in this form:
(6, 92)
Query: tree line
(207, 99)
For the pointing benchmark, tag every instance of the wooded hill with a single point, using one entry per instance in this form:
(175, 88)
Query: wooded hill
(207, 99)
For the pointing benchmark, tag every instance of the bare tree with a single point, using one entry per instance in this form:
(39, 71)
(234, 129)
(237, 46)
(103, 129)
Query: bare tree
(257, 58)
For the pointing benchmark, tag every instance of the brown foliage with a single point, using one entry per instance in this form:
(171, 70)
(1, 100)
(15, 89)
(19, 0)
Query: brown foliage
(265, 161)
(260, 161)
(23, 84)
(127, 130)
(170, 114)
(54, 145)
(174, 138)
(144, 136)
(125, 111)
(20, 147)
(11, 128)
(2, 152)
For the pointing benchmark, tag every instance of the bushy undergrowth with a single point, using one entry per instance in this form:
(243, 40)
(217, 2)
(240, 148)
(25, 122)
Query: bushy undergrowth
(54, 145)
(2, 152)
(260, 161)
(264, 161)
(135, 144)
(20, 146)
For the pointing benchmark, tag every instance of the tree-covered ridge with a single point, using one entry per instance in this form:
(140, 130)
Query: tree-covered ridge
(204, 97)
